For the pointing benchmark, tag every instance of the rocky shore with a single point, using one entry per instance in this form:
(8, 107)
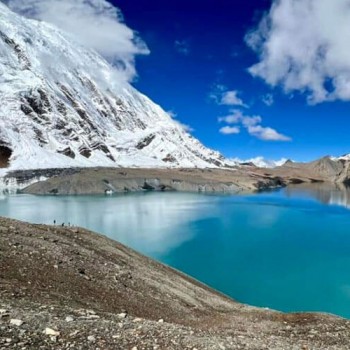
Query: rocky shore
(68, 288)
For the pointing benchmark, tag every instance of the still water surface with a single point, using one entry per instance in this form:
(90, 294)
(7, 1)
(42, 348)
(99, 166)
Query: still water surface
(288, 250)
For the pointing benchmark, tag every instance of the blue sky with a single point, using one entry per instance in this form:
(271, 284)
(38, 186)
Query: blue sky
(250, 78)
(196, 46)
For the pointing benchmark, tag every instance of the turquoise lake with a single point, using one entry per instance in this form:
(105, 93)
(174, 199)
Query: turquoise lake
(287, 250)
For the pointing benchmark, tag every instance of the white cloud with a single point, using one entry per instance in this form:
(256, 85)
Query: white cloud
(303, 45)
(233, 118)
(266, 133)
(186, 127)
(230, 98)
(230, 130)
(268, 100)
(252, 125)
(222, 96)
(182, 47)
(251, 121)
(172, 114)
(237, 116)
(96, 24)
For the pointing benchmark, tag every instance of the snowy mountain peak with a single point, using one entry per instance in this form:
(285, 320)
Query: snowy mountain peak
(63, 105)
(343, 157)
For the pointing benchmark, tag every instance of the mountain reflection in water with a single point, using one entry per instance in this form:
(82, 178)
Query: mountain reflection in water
(326, 193)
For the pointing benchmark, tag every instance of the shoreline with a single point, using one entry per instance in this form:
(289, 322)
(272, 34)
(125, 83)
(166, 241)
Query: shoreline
(122, 180)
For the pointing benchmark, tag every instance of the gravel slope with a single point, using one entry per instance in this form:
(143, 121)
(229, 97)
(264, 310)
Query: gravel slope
(74, 289)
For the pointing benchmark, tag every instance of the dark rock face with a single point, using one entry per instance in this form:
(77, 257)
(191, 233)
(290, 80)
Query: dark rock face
(5, 155)
(270, 183)
(25, 176)
(145, 142)
(169, 159)
(68, 152)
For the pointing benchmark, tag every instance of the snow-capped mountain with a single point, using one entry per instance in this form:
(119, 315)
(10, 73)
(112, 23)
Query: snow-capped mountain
(261, 162)
(343, 157)
(63, 105)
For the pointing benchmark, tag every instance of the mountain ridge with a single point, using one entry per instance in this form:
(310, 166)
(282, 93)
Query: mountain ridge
(65, 106)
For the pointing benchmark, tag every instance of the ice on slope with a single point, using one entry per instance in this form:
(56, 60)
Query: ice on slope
(63, 105)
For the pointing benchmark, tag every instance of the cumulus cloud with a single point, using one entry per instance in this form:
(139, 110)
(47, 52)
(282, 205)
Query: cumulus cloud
(253, 126)
(230, 130)
(303, 45)
(236, 116)
(266, 134)
(233, 118)
(251, 121)
(230, 98)
(95, 24)
(222, 96)
(182, 47)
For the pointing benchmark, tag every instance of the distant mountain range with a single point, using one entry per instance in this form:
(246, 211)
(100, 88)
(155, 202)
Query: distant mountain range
(62, 106)
(260, 162)
(326, 169)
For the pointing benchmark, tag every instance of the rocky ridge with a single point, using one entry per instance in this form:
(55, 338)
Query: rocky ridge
(326, 169)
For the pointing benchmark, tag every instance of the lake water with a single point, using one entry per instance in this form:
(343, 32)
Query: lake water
(288, 250)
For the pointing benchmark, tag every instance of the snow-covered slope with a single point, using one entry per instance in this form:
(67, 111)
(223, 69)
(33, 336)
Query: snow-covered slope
(62, 105)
